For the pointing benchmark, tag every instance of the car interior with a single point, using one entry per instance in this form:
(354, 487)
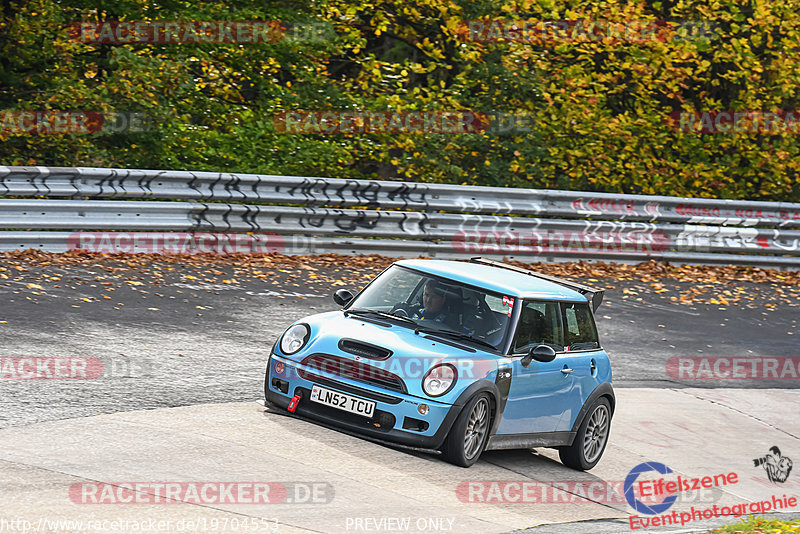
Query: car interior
(537, 327)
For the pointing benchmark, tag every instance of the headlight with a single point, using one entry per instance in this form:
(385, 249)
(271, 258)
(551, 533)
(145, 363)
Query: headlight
(294, 338)
(439, 380)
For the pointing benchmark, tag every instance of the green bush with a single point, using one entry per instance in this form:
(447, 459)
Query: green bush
(600, 107)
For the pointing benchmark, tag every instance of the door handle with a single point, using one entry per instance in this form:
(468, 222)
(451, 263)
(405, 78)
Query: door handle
(566, 370)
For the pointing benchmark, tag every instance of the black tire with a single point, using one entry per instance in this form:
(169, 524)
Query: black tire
(470, 432)
(591, 439)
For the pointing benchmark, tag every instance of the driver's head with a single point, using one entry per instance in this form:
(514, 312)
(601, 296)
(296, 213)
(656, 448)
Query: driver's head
(433, 297)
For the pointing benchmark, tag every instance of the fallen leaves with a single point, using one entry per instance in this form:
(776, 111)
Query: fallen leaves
(678, 284)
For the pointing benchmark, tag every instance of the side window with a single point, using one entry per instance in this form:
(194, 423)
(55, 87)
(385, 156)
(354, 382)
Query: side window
(496, 304)
(580, 331)
(539, 324)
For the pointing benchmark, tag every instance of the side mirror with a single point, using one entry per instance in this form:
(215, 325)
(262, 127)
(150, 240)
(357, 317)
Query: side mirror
(540, 353)
(342, 297)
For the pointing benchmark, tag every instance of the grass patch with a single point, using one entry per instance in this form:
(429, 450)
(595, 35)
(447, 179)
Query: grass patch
(758, 525)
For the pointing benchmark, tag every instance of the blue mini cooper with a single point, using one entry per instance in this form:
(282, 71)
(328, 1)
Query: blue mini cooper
(459, 357)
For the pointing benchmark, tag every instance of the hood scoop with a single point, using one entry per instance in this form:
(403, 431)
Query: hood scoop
(365, 350)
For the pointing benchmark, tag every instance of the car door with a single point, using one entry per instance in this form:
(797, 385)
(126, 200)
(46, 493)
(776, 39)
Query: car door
(582, 355)
(540, 393)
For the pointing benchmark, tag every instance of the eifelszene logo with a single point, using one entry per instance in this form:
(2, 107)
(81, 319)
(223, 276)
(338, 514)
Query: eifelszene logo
(668, 489)
(630, 483)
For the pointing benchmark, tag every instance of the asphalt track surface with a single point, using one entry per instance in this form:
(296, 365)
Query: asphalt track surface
(182, 359)
(178, 340)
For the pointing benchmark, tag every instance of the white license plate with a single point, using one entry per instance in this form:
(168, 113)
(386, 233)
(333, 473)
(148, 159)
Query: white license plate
(348, 403)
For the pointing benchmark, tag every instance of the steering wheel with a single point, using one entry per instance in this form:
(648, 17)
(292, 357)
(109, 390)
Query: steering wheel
(401, 310)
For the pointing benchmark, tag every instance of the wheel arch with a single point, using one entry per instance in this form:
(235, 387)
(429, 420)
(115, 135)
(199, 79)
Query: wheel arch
(604, 390)
(495, 398)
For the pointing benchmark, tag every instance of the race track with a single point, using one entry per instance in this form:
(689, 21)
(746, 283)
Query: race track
(180, 379)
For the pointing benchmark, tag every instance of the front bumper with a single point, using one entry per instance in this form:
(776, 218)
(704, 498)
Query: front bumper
(395, 418)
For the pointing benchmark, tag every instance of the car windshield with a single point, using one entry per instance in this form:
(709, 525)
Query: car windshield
(438, 306)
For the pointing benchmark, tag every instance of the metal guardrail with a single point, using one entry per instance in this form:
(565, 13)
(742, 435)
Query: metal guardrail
(79, 209)
(68, 182)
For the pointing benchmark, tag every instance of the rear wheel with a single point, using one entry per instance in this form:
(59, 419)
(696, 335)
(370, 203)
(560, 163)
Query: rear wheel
(470, 432)
(590, 442)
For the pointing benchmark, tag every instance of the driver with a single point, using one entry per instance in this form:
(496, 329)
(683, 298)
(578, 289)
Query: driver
(433, 303)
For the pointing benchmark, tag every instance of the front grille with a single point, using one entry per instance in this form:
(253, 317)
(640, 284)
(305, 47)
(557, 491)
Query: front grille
(354, 390)
(365, 350)
(359, 371)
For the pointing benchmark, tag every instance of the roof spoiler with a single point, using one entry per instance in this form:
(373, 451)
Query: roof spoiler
(593, 295)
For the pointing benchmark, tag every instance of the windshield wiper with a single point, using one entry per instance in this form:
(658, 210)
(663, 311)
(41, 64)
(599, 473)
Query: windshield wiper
(365, 311)
(457, 335)
(418, 328)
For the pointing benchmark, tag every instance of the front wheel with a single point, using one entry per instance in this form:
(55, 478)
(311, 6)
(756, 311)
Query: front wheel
(470, 432)
(590, 442)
